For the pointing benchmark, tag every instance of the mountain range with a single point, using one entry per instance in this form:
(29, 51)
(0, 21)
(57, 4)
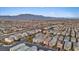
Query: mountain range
(32, 17)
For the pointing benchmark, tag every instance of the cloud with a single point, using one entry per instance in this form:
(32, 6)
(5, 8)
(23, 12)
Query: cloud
(63, 14)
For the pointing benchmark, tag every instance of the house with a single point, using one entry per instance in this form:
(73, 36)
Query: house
(20, 47)
(59, 44)
(76, 46)
(19, 36)
(39, 37)
(73, 39)
(67, 45)
(61, 38)
(7, 41)
(13, 37)
(53, 42)
(47, 40)
(24, 34)
(33, 48)
(67, 38)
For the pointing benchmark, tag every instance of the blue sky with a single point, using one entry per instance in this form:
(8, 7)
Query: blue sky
(46, 11)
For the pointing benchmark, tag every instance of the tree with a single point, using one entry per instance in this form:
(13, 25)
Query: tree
(29, 38)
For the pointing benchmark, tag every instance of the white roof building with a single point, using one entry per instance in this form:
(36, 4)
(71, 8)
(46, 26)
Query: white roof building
(53, 42)
(67, 45)
(67, 38)
(13, 37)
(73, 39)
(24, 34)
(20, 47)
(76, 46)
(8, 40)
(38, 38)
(33, 48)
(19, 36)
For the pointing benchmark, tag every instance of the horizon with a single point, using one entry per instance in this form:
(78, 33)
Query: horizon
(65, 12)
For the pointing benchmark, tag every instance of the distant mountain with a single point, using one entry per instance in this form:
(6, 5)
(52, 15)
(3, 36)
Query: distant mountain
(30, 17)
